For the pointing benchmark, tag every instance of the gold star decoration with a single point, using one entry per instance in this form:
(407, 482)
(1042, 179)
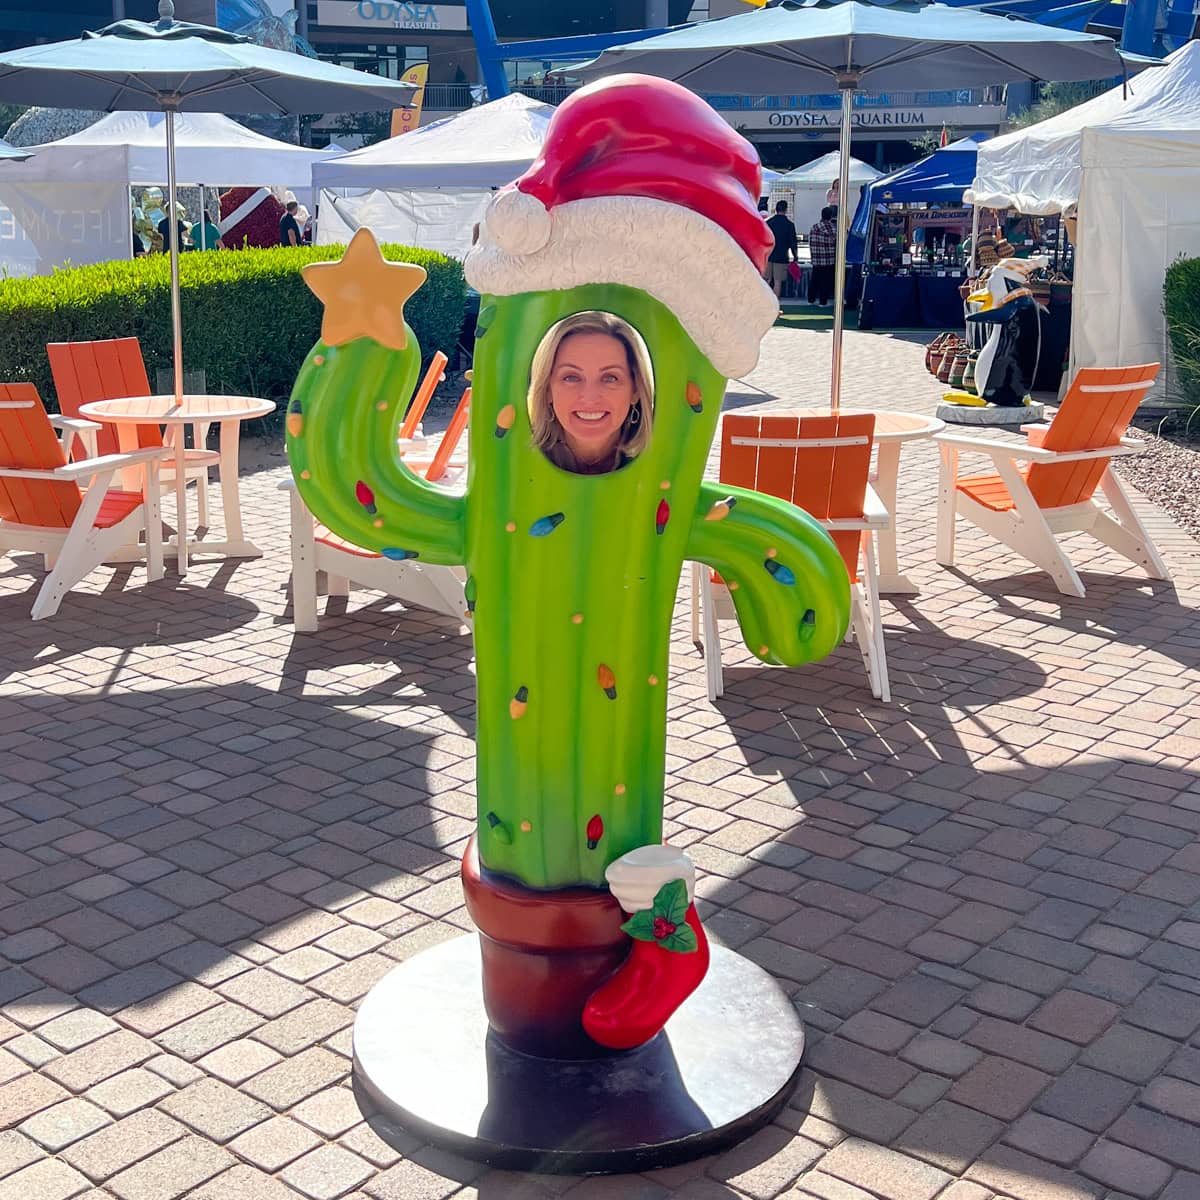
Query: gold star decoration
(364, 294)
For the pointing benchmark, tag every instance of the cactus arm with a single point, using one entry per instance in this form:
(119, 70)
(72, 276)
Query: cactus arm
(343, 420)
(783, 623)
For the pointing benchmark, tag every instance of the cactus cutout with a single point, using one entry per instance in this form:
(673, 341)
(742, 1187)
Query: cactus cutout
(572, 578)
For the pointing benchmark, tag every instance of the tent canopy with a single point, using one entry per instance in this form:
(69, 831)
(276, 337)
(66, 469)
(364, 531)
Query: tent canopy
(821, 172)
(130, 148)
(806, 187)
(481, 148)
(1038, 170)
(939, 178)
(1129, 164)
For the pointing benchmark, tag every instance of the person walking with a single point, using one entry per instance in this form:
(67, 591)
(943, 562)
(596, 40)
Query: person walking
(289, 227)
(822, 245)
(784, 232)
(211, 239)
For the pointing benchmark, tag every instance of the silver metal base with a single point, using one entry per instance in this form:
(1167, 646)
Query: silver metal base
(722, 1068)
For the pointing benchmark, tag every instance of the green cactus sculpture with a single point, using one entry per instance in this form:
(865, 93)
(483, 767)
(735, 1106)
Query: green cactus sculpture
(572, 579)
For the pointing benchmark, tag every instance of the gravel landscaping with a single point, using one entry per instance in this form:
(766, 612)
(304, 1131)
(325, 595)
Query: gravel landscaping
(1168, 470)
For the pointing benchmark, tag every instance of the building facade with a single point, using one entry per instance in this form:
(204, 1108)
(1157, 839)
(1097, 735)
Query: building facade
(387, 37)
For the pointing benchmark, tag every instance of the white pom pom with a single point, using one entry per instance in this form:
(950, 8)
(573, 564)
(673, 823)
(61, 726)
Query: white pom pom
(517, 222)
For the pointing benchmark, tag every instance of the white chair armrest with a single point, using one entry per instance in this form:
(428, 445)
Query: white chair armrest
(1037, 454)
(961, 441)
(875, 513)
(111, 462)
(77, 424)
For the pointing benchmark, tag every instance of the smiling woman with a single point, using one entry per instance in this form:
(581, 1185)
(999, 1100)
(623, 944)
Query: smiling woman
(591, 394)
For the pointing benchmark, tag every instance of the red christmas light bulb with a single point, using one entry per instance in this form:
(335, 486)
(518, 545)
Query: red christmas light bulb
(662, 516)
(365, 496)
(595, 831)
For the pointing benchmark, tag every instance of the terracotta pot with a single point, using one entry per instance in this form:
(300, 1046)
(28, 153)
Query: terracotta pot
(933, 351)
(943, 372)
(957, 369)
(544, 954)
(968, 382)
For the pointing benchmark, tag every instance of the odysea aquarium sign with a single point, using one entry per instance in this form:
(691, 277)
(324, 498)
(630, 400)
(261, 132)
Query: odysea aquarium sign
(391, 14)
(866, 120)
(889, 119)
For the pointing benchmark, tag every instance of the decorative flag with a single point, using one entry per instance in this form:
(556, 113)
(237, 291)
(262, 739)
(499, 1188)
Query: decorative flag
(944, 140)
(405, 120)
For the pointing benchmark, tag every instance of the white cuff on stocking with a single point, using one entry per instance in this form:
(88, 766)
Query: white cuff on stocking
(636, 877)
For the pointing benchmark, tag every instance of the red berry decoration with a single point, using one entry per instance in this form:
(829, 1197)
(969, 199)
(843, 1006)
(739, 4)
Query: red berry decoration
(663, 928)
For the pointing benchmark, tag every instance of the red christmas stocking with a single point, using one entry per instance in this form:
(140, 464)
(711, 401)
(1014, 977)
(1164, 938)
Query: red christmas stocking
(670, 950)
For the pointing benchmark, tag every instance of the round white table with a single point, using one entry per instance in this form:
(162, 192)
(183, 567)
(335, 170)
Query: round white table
(128, 412)
(892, 430)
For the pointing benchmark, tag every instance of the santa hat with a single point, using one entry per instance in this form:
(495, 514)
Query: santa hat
(640, 183)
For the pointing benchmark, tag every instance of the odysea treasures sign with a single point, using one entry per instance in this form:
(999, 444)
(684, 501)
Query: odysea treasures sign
(390, 14)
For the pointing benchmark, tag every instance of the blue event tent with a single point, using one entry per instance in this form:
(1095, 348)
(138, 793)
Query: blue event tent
(939, 179)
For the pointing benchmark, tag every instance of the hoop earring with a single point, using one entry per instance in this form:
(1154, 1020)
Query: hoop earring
(635, 416)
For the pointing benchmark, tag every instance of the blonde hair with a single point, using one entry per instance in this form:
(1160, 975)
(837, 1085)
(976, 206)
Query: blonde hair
(635, 436)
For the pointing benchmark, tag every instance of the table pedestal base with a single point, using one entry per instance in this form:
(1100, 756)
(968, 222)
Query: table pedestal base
(897, 585)
(197, 551)
(722, 1068)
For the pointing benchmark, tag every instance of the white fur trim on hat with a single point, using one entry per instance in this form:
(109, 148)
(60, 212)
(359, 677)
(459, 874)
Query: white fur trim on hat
(635, 878)
(678, 256)
(518, 222)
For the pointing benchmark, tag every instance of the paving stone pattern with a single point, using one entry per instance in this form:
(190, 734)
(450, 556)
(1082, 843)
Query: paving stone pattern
(216, 836)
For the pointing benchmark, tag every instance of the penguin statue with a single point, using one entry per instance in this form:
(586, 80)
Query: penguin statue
(1006, 328)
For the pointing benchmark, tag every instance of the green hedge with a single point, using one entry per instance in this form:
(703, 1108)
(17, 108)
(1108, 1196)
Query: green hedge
(1181, 303)
(248, 318)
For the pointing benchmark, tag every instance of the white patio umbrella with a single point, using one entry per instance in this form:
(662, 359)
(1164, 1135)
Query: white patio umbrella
(796, 46)
(175, 66)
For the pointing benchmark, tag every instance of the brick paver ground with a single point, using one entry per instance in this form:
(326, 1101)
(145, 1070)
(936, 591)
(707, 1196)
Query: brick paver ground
(215, 836)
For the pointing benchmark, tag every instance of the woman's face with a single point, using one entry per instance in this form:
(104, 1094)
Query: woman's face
(591, 393)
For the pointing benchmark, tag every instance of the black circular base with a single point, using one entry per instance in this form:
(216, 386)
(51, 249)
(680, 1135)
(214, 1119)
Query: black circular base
(722, 1068)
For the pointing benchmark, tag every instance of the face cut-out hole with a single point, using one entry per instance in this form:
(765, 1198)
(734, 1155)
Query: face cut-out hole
(591, 394)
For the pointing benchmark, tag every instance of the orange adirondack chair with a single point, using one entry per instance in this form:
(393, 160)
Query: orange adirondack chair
(316, 549)
(821, 465)
(106, 370)
(1027, 507)
(410, 427)
(44, 509)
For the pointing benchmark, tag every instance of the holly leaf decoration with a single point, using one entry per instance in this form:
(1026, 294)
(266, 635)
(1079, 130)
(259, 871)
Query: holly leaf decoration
(671, 902)
(641, 926)
(668, 912)
(682, 941)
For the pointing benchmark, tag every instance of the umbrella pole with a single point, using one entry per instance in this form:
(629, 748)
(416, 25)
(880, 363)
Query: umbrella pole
(203, 221)
(173, 229)
(847, 86)
(974, 239)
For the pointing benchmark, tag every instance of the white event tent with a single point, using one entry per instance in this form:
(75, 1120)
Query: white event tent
(805, 188)
(428, 188)
(1127, 165)
(70, 202)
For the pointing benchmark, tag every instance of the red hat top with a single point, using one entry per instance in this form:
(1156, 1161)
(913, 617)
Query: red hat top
(640, 182)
